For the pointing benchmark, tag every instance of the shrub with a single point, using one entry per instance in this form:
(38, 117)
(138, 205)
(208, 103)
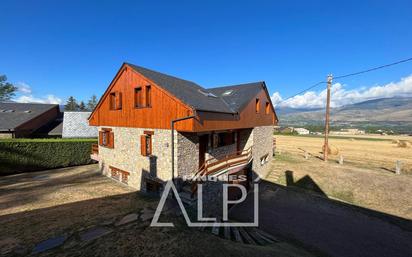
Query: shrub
(22, 155)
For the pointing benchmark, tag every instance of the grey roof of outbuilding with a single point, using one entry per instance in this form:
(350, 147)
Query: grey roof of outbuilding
(12, 115)
(197, 97)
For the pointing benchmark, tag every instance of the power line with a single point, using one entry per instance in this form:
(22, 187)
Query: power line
(373, 69)
(303, 91)
(347, 75)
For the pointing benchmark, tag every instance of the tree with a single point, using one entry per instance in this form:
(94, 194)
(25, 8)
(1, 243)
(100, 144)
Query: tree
(92, 103)
(82, 106)
(71, 104)
(7, 89)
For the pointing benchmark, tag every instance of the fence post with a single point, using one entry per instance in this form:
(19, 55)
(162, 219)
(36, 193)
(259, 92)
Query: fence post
(398, 167)
(341, 160)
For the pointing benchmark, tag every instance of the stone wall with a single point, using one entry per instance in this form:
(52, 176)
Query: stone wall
(262, 145)
(220, 152)
(126, 155)
(187, 154)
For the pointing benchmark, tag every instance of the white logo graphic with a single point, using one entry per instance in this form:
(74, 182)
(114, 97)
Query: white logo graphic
(208, 221)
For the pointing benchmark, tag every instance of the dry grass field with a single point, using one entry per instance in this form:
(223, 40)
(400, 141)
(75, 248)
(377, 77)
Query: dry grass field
(366, 178)
(378, 153)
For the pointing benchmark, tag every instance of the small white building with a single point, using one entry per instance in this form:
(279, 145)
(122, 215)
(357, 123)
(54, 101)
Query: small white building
(302, 131)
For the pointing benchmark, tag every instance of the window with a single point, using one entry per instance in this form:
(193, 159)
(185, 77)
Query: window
(138, 99)
(223, 139)
(148, 96)
(112, 100)
(264, 159)
(257, 105)
(115, 99)
(120, 175)
(146, 143)
(267, 108)
(106, 138)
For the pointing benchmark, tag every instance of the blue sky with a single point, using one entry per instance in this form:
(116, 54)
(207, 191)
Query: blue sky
(64, 48)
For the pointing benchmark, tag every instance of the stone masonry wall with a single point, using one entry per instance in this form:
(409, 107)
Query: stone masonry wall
(126, 155)
(262, 145)
(187, 154)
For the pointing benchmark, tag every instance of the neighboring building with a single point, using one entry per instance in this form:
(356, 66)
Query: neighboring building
(76, 125)
(27, 119)
(232, 124)
(348, 132)
(302, 131)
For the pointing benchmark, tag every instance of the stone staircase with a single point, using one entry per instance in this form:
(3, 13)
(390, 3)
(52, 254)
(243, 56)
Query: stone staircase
(245, 235)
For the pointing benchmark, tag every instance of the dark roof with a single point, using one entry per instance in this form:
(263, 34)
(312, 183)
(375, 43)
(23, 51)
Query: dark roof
(12, 115)
(200, 98)
(238, 96)
(52, 128)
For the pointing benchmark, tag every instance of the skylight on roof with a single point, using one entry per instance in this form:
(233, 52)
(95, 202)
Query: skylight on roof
(8, 111)
(27, 111)
(227, 92)
(207, 93)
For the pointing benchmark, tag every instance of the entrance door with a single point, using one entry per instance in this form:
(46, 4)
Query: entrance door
(203, 142)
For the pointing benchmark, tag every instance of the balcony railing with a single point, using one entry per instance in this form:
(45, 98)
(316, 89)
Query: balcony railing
(211, 166)
(214, 167)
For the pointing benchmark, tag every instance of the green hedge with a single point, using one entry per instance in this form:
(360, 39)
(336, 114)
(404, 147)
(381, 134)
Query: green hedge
(22, 155)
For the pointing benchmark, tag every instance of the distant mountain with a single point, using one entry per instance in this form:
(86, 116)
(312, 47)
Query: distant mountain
(395, 110)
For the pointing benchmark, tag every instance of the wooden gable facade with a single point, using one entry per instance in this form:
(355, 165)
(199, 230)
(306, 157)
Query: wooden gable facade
(133, 100)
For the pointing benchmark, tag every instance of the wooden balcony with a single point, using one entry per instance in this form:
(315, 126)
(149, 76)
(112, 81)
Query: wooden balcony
(213, 167)
(232, 162)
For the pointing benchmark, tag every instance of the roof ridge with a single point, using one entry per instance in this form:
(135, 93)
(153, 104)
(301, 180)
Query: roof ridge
(238, 85)
(164, 74)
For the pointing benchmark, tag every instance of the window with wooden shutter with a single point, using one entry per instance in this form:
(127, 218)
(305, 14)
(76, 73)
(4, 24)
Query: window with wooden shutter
(146, 143)
(138, 97)
(111, 140)
(148, 96)
(257, 105)
(267, 108)
(118, 100)
(100, 137)
(106, 138)
(143, 145)
(112, 101)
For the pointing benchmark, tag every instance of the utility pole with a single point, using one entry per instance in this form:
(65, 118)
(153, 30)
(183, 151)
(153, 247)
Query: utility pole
(326, 145)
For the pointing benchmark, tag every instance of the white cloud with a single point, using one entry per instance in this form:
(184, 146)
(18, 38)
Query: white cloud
(23, 88)
(24, 95)
(49, 99)
(340, 96)
(276, 98)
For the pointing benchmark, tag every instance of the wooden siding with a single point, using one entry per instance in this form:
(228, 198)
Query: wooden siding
(164, 107)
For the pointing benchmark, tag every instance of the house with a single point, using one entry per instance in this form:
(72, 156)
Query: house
(349, 131)
(302, 131)
(76, 125)
(28, 120)
(155, 128)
